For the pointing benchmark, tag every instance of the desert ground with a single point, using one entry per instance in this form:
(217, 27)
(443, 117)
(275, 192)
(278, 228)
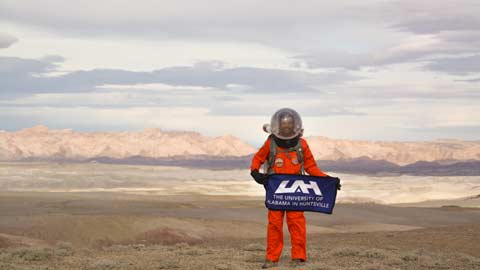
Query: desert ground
(113, 230)
(98, 216)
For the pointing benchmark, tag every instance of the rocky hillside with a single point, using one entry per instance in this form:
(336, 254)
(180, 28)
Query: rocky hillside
(41, 142)
(153, 144)
(400, 153)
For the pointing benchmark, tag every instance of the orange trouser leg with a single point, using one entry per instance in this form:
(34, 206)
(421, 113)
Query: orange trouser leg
(298, 234)
(274, 234)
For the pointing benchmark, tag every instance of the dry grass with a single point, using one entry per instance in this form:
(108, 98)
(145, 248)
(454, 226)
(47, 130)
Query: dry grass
(166, 236)
(226, 255)
(127, 241)
(254, 247)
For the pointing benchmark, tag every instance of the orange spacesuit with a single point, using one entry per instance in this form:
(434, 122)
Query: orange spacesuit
(286, 161)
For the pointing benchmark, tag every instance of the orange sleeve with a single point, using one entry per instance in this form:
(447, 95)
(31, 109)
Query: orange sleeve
(309, 162)
(260, 157)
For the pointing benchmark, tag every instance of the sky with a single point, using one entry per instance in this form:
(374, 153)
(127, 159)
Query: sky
(363, 70)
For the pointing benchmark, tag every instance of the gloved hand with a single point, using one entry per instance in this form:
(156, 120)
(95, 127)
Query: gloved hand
(260, 178)
(339, 186)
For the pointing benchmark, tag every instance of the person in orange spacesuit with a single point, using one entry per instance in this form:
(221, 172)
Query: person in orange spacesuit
(284, 152)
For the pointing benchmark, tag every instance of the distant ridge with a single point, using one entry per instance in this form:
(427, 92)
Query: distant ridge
(41, 142)
(154, 146)
(362, 165)
(400, 153)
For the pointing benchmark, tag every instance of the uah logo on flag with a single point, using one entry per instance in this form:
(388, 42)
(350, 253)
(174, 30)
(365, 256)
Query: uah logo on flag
(301, 193)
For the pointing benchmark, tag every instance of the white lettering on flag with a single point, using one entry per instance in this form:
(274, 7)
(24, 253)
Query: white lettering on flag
(298, 186)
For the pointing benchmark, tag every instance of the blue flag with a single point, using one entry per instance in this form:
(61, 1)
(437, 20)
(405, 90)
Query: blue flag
(301, 192)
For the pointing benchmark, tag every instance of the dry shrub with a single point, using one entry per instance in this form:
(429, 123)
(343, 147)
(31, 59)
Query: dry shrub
(105, 264)
(86, 252)
(376, 266)
(63, 249)
(166, 236)
(192, 252)
(255, 258)
(375, 253)
(25, 267)
(118, 248)
(63, 245)
(103, 242)
(4, 242)
(394, 261)
(228, 266)
(468, 259)
(223, 266)
(409, 257)
(254, 247)
(168, 265)
(157, 247)
(321, 266)
(160, 236)
(138, 246)
(63, 252)
(346, 251)
(181, 245)
(33, 254)
(7, 266)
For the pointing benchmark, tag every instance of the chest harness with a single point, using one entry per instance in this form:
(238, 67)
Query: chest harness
(268, 166)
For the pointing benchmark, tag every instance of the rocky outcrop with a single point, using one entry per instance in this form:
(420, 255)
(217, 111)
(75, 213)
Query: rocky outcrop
(41, 142)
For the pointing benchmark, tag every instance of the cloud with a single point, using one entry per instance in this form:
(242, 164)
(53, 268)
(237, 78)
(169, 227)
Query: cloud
(309, 26)
(399, 120)
(357, 61)
(123, 98)
(473, 80)
(414, 49)
(18, 76)
(23, 77)
(429, 29)
(14, 66)
(411, 50)
(439, 24)
(457, 66)
(468, 132)
(212, 19)
(7, 40)
(267, 105)
(338, 34)
(269, 21)
(435, 16)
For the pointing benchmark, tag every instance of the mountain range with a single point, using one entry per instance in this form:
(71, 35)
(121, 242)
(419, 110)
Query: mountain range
(158, 147)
